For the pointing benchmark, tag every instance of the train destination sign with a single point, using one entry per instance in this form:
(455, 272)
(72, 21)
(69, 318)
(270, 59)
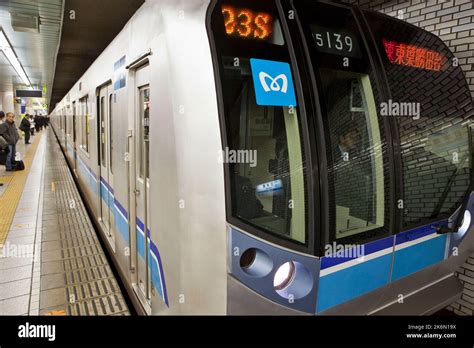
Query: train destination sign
(413, 56)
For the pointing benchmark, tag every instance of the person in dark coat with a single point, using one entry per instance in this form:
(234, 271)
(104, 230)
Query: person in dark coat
(25, 126)
(3, 143)
(9, 132)
(37, 123)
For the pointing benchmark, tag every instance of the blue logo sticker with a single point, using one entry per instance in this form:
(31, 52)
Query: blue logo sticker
(273, 83)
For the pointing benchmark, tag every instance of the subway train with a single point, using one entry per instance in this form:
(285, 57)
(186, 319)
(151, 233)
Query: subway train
(276, 157)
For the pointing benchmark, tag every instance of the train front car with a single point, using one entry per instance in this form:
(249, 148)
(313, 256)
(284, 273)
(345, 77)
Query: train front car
(347, 141)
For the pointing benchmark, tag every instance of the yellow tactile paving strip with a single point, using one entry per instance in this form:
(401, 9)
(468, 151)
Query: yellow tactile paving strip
(16, 182)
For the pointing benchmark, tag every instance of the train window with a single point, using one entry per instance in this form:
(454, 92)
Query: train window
(355, 150)
(111, 135)
(74, 129)
(144, 127)
(102, 131)
(85, 123)
(434, 119)
(264, 152)
(354, 132)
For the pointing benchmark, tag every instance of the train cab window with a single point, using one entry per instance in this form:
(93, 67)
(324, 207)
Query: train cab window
(354, 132)
(144, 127)
(354, 150)
(432, 92)
(264, 152)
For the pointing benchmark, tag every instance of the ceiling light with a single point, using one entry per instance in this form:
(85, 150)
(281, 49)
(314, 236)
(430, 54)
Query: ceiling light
(7, 49)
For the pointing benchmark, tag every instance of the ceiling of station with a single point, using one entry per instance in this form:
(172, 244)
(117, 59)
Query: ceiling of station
(35, 48)
(88, 28)
(57, 40)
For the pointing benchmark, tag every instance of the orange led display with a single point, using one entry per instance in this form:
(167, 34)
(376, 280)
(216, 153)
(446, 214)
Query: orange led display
(246, 23)
(413, 56)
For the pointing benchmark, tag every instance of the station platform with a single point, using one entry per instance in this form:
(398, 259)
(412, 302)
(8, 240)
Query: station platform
(51, 259)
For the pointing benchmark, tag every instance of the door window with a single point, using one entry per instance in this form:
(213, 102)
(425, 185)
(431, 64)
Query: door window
(144, 129)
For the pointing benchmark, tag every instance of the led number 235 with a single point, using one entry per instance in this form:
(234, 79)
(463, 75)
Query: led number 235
(246, 23)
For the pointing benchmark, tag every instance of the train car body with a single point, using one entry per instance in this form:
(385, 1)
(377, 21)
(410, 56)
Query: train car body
(248, 157)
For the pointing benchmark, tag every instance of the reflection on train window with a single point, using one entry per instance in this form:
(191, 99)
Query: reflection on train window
(435, 141)
(144, 126)
(265, 159)
(357, 168)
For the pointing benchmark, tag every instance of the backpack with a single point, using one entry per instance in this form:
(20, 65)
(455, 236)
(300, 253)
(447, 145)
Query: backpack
(24, 125)
(19, 166)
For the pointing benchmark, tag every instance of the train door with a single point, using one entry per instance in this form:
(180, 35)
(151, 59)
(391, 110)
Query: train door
(106, 175)
(357, 245)
(142, 183)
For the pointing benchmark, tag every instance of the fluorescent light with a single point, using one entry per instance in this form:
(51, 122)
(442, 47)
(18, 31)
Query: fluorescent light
(11, 56)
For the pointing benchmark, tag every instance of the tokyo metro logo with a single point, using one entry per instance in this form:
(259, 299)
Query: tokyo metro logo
(273, 83)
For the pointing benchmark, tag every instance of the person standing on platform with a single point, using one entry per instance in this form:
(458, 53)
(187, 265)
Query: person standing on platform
(3, 142)
(32, 125)
(9, 132)
(37, 123)
(25, 127)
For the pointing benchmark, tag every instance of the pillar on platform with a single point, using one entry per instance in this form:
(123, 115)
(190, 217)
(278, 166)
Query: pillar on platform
(7, 102)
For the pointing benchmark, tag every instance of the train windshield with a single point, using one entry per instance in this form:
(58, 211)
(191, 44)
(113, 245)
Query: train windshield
(264, 151)
(436, 136)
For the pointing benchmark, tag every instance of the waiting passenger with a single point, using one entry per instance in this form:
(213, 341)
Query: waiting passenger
(25, 128)
(9, 132)
(37, 123)
(32, 125)
(3, 144)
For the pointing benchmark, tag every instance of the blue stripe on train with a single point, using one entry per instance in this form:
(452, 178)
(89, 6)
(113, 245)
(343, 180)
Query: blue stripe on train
(121, 221)
(419, 256)
(346, 284)
(360, 278)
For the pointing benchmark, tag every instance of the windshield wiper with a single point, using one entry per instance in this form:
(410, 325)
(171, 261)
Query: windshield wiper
(447, 189)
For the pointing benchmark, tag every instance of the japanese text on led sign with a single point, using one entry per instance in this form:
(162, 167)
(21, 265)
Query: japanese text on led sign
(413, 56)
(245, 23)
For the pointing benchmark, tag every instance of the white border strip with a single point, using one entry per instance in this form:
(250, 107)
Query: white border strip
(354, 262)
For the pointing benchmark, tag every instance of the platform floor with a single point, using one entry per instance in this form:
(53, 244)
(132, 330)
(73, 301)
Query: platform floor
(51, 260)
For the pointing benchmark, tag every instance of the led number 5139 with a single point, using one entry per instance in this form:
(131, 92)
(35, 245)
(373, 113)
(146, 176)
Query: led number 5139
(334, 41)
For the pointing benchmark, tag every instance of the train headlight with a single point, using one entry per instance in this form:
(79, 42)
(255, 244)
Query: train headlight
(284, 275)
(466, 223)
